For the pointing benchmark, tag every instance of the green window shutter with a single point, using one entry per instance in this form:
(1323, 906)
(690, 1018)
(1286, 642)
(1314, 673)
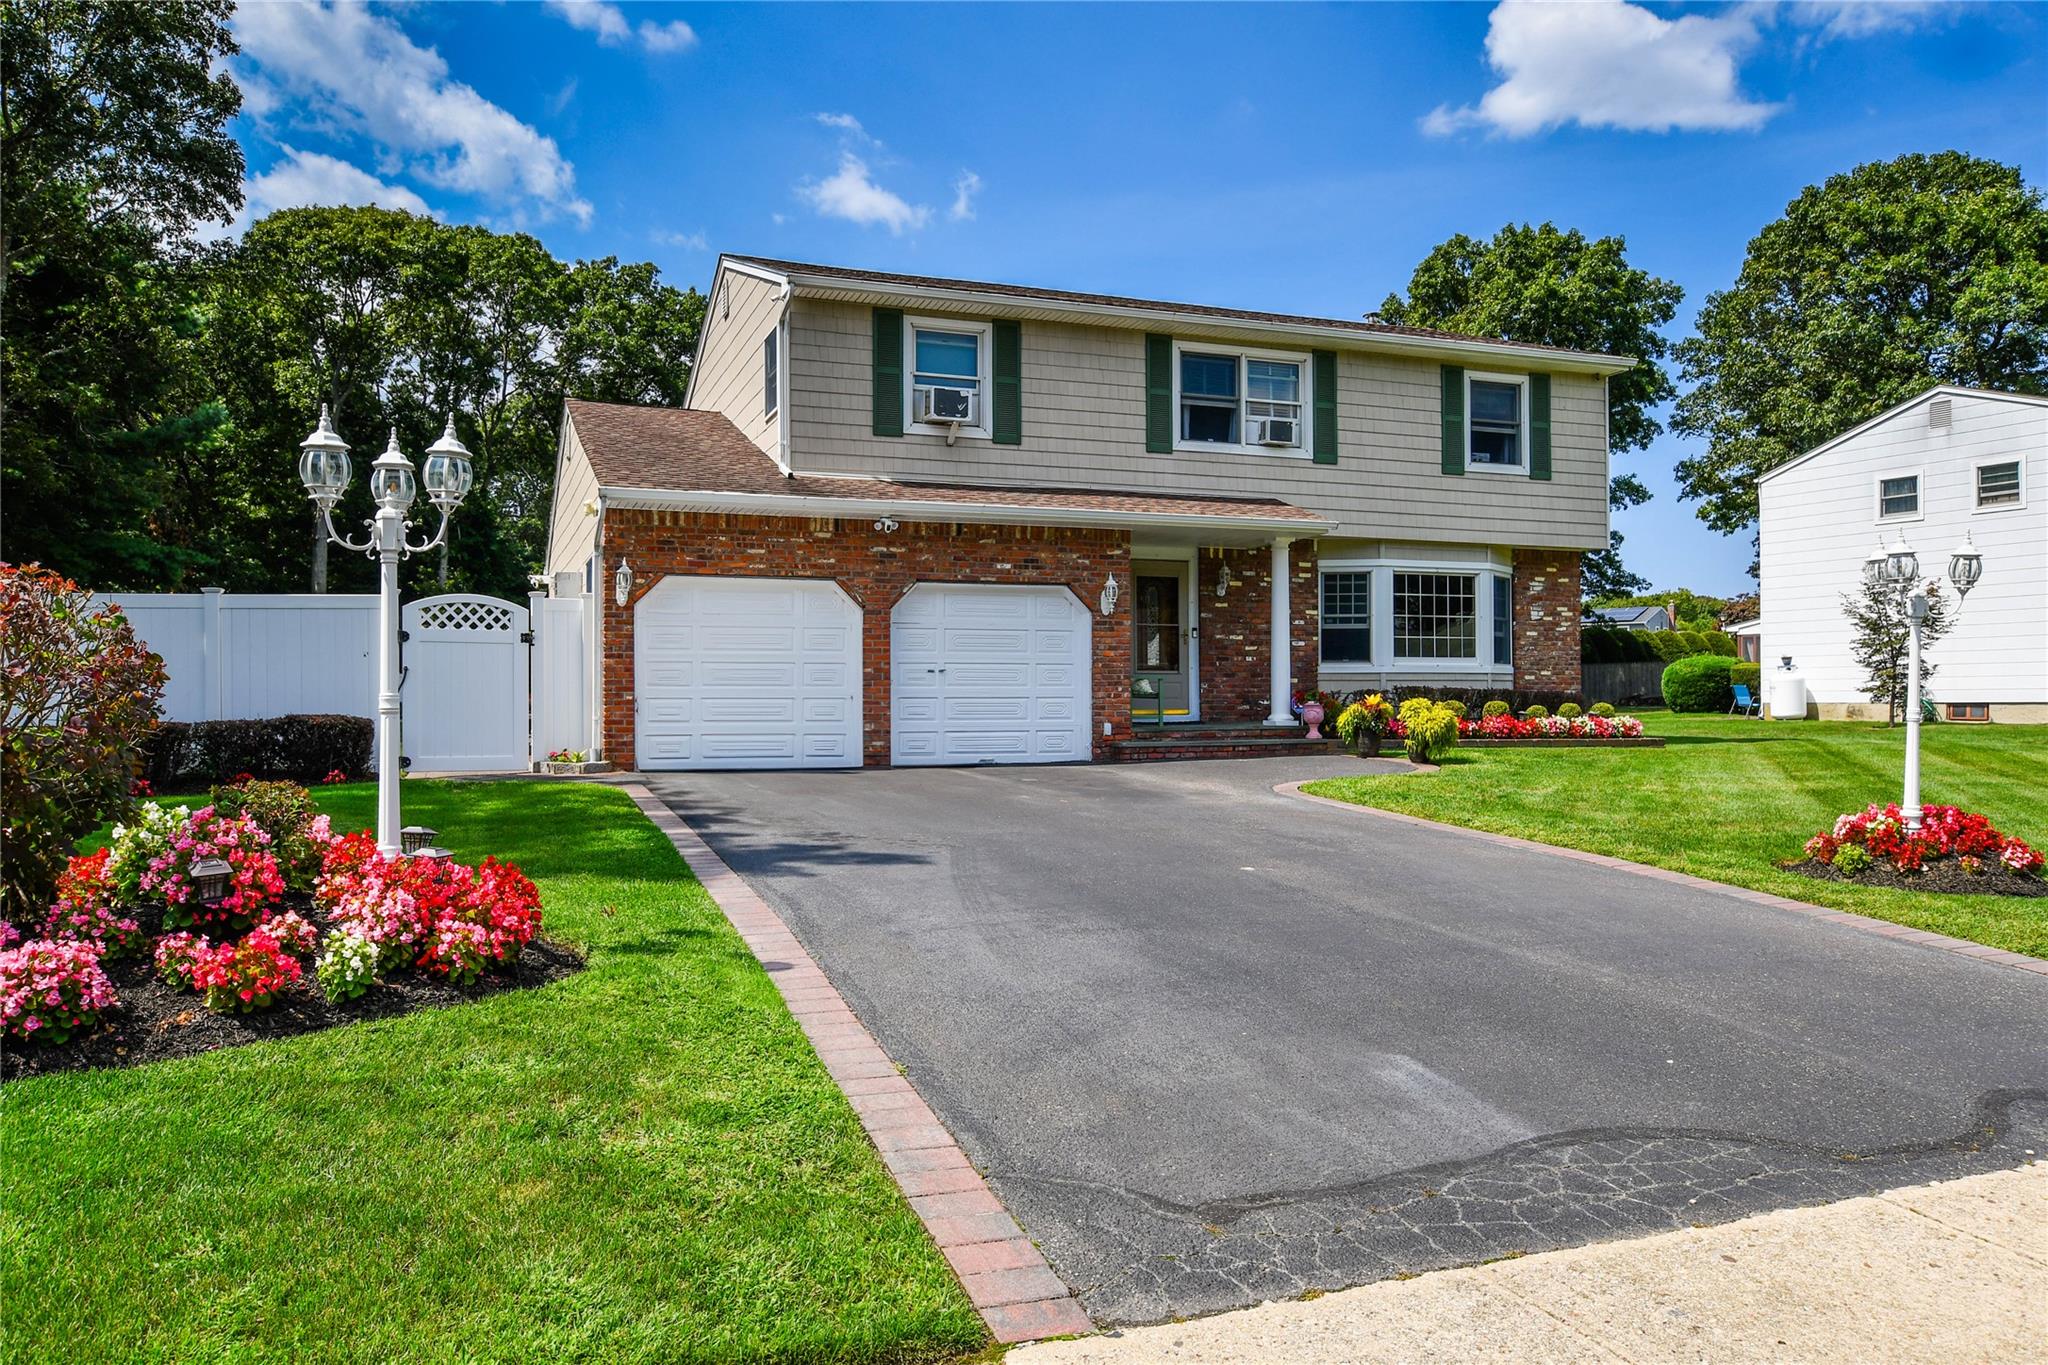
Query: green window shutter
(1326, 407)
(1158, 394)
(888, 375)
(1539, 426)
(1007, 423)
(1454, 419)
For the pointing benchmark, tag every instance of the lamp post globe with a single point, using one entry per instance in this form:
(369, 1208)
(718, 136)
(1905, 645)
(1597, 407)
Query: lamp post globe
(323, 463)
(1877, 568)
(1965, 566)
(448, 471)
(392, 485)
(1902, 566)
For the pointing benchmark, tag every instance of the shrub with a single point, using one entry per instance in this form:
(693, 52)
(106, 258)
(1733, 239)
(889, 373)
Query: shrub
(1457, 708)
(254, 884)
(1750, 676)
(299, 834)
(1720, 642)
(451, 919)
(1852, 859)
(1369, 715)
(244, 976)
(1604, 710)
(1429, 729)
(1535, 713)
(184, 755)
(178, 954)
(1494, 708)
(1698, 683)
(293, 932)
(85, 910)
(347, 965)
(1570, 710)
(1694, 642)
(48, 987)
(1879, 833)
(135, 845)
(78, 693)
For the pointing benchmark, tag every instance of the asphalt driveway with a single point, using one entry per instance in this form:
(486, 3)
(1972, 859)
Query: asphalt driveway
(1213, 1045)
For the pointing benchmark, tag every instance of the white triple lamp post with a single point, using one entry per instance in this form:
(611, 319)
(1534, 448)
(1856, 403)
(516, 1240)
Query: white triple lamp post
(1899, 567)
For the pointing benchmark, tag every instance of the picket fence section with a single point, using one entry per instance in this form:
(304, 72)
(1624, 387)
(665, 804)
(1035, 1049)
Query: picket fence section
(233, 656)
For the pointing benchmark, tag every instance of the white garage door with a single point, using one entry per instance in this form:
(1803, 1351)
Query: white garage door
(746, 673)
(987, 674)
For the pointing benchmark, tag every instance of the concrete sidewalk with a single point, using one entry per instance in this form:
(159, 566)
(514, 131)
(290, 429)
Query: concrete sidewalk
(1956, 1271)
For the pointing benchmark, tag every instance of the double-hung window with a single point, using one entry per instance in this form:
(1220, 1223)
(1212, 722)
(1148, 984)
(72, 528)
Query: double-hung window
(1347, 618)
(1898, 496)
(1243, 401)
(1998, 485)
(948, 356)
(1503, 621)
(1436, 616)
(1496, 421)
(771, 377)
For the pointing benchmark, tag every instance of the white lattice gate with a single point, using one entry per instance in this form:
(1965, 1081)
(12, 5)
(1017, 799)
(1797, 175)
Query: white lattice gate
(465, 687)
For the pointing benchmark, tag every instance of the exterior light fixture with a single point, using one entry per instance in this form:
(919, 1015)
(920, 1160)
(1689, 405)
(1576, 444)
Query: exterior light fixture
(413, 838)
(323, 463)
(1874, 568)
(1965, 566)
(448, 472)
(1224, 580)
(210, 878)
(622, 583)
(886, 525)
(435, 855)
(1107, 600)
(392, 485)
(1901, 565)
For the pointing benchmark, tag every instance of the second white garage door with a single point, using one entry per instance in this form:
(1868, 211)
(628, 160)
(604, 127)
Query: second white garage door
(981, 673)
(746, 673)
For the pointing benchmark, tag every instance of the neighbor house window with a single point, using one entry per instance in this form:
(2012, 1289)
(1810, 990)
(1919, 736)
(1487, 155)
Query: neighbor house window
(1899, 497)
(1435, 616)
(1494, 421)
(1347, 618)
(948, 356)
(1998, 485)
(1248, 401)
(771, 379)
(1503, 621)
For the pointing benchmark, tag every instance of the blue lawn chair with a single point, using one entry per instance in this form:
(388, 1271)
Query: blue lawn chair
(1745, 703)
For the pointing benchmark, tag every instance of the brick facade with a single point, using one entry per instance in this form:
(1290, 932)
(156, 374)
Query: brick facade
(875, 569)
(1236, 629)
(1547, 621)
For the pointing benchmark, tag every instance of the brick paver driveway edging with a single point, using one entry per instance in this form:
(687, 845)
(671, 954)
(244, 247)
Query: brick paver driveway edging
(1004, 1275)
(1865, 923)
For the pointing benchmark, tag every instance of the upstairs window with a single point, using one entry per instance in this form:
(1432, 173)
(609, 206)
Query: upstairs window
(771, 378)
(1248, 401)
(948, 358)
(1495, 419)
(1899, 496)
(1347, 618)
(1998, 485)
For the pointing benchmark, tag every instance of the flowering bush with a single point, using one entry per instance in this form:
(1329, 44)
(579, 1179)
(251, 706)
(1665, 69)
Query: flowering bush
(284, 811)
(335, 777)
(178, 955)
(294, 933)
(48, 987)
(254, 883)
(85, 911)
(567, 756)
(347, 965)
(135, 845)
(9, 935)
(1370, 715)
(450, 919)
(140, 788)
(1504, 726)
(1879, 834)
(244, 976)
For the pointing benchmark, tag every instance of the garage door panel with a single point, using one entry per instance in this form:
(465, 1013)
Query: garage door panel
(747, 673)
(986, 673)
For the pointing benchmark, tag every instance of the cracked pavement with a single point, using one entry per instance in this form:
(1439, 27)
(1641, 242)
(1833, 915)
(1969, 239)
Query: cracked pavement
(1213, 1046)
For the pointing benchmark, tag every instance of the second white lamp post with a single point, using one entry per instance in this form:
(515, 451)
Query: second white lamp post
(1900, 567)
(324, 469)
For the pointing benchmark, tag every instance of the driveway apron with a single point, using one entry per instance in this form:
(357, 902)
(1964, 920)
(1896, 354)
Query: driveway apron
(1213, 1045)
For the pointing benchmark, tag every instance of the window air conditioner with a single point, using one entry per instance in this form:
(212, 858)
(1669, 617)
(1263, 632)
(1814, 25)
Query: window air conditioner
(1277, 431)
(935, 404)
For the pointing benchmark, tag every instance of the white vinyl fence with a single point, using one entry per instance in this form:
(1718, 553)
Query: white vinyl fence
(488, 684)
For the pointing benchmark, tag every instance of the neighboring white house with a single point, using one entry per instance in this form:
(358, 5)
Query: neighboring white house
(1949, 463)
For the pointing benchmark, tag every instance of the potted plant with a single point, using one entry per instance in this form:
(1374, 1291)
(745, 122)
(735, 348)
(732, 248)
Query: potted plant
(1310, 708)
(573, 763)
(1365, 723)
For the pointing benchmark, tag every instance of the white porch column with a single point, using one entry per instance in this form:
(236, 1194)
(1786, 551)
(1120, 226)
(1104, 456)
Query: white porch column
(1280, 647)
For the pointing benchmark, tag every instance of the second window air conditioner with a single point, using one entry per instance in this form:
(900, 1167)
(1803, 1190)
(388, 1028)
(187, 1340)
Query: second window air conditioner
(935, 404)
(1278, 431)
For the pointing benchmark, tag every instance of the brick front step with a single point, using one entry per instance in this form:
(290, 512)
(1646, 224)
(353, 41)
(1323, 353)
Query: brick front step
(1283, 745)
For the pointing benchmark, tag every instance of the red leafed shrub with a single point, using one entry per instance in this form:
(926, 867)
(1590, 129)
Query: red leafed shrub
(85, 909)
(447, 918)
(78, 695)
(48, 987)
(246, 975)
(253, 888)
(1945, 832)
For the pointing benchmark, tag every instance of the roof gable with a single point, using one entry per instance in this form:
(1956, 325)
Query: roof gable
(1889, 414)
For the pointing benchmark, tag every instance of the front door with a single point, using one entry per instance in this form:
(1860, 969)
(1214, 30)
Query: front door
(1161, 642)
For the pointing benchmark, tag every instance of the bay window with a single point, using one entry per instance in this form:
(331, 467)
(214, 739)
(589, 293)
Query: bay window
(1436, 616)
(1503, 621)
(1347, 618)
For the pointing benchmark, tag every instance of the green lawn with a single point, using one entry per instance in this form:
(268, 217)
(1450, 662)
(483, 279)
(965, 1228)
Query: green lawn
(643, 1162)
(1730, 798)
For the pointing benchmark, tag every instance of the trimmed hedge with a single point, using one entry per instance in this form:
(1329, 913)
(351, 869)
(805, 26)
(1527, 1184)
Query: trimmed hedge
(1699, 683)
(183, 755)
(1748, 675)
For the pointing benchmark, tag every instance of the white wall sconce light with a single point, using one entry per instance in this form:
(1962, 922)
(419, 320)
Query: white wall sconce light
(1224, 580)
(1107, 600)
(622, 583)
(886, 525)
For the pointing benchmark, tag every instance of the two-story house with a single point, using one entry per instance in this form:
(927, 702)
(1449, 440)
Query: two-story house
(905, 520)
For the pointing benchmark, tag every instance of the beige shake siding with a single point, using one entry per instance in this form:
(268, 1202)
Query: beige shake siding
(1084, 417)
(729, 375)
(572, 531)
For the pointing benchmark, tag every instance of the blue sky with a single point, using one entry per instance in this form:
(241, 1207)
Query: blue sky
(1291, 157)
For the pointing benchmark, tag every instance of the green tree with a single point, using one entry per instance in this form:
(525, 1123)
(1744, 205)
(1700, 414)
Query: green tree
(1875, 285)
(1556, 288)
(1877, 613)
(113, 144)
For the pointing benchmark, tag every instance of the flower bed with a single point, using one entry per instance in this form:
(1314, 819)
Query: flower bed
(1955, 851)
(1550, 728)
(131, 965)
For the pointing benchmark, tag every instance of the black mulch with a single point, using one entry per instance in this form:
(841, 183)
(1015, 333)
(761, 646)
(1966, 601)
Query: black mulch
(156, 1021)
(1943, 875)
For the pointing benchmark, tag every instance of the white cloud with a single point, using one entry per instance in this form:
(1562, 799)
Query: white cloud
(1610, 64)
(561, 99)
(848, 124)
(1861, 18)
(307, 178)
(361, 70)
(612, 28)
(852, 194)
(688, 241)
(964, 190)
